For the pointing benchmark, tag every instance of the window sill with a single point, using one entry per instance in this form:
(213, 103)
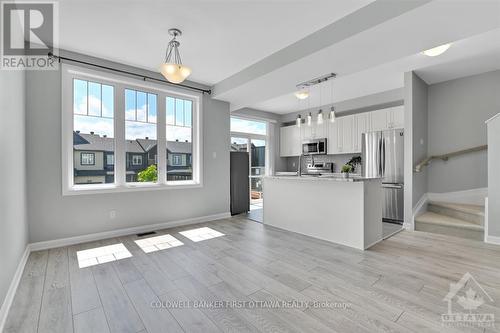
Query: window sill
(130, 187)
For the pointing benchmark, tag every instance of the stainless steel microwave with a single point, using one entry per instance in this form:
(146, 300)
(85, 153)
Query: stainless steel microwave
(314, 147)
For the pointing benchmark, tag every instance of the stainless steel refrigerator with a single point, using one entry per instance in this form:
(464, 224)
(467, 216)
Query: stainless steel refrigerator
(383, 156)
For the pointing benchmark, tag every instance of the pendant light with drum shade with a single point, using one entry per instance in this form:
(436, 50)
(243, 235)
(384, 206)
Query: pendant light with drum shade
(173, 69)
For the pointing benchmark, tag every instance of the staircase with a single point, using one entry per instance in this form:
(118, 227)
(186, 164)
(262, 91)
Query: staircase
(452, 219)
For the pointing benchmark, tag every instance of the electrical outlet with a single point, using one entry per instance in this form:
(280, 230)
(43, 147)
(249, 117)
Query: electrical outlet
(112, 214)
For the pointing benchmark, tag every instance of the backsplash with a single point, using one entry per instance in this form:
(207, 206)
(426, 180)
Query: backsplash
(337, 160)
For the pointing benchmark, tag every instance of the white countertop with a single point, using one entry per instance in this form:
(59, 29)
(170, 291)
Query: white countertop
(335, 177)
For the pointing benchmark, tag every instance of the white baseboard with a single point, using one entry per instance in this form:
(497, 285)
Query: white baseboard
(473, 196)
(492, 240)
(11, 292)
(123, 232)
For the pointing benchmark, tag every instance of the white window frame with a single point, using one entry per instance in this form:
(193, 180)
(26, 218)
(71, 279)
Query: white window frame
(120, 83)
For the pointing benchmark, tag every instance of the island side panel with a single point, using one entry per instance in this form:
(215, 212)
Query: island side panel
(328, 210)
(373, 212)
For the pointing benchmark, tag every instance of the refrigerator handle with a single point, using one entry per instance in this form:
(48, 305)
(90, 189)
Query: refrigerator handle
(380, 158)
(383, 157)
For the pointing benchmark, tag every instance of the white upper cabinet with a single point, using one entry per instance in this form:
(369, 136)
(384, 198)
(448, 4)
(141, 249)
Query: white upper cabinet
(379, 120)
(396, 117)
(343, 135)
(315, 131)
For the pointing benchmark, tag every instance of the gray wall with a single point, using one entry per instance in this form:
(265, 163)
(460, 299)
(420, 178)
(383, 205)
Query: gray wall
(419, 135)
(457, 112)
(416, 118)
(52, 216)
(494, 177)
(13, 222)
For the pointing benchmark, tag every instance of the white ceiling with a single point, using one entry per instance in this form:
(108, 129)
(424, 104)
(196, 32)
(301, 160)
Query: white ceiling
(474, 55)
(220, 37)
(252, 53)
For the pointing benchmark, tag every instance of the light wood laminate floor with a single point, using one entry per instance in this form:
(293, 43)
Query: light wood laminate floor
(396, 286)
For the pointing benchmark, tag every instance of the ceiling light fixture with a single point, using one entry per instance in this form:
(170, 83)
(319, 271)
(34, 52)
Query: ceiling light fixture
(173, 69)
(302, 94)
(435, 51)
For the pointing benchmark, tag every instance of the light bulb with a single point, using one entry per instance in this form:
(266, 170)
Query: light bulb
(332, 116)
(320, 117)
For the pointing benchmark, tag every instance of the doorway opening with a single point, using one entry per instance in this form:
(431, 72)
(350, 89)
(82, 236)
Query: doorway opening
(251, 136)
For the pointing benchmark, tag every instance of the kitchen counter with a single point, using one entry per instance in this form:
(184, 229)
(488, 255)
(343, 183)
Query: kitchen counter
(335, 177)
(343, 211)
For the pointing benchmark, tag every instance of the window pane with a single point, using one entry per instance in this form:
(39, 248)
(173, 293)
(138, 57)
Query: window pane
(151, 108)
(179, 112)
(94, 100)
(107, 101)
(80, 97)
(248, 126)
(93, 135)
(140, 145)
(170, 111)
(179, 141)
(187, 113)
(142, 106)
(129, 104)
(239, 144)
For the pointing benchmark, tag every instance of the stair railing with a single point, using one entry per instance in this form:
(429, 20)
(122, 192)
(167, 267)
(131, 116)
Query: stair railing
(445, 157)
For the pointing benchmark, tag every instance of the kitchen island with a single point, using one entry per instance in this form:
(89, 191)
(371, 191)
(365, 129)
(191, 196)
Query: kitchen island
(343, 211)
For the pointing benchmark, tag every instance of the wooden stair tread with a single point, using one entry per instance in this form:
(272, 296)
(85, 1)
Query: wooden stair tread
(447, 221)
(465, 208)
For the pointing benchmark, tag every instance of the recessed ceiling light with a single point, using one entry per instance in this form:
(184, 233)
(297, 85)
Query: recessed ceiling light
(302, 94)
(435, 51)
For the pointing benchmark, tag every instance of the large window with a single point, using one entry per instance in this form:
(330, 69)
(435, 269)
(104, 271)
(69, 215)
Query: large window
(111, 126)
(179, 139)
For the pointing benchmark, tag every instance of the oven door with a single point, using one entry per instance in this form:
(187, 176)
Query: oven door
(310, 148)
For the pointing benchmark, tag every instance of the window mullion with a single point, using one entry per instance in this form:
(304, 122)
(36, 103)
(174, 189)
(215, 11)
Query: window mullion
(119, 118)
(161, 128)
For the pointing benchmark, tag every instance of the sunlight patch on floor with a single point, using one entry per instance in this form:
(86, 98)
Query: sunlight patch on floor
(201, 234)
(101, 255)
(158, 243)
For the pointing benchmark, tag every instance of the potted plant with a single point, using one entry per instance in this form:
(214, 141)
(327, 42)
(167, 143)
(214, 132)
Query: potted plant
(346, 169)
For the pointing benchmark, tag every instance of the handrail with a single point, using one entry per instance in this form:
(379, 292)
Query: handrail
(445, 157)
